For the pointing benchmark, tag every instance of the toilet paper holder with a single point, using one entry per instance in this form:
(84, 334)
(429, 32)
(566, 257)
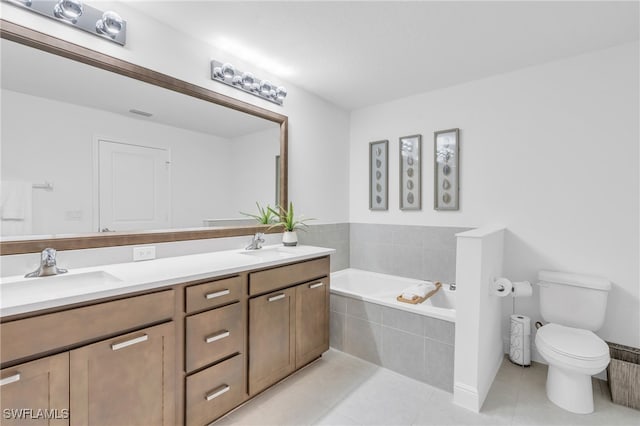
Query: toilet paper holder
(502, 287)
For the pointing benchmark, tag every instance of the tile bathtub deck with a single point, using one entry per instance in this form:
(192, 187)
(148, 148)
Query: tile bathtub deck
(340, 389)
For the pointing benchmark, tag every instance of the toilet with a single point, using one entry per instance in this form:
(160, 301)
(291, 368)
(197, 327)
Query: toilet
(574, 307)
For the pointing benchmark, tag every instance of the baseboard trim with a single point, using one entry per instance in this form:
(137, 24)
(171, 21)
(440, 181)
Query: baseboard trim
(466, 397)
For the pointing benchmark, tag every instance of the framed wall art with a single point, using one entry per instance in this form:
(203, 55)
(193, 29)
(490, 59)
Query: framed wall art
(446, 169)
(379, 175)
(410, 172)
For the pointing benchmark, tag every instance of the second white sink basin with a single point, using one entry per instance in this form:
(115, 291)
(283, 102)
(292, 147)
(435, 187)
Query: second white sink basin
(270, 253)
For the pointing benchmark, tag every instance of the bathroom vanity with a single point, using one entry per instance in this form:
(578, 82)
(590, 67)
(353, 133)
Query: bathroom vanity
(169, 341)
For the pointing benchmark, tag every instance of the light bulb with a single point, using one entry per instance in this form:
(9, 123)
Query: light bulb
(281, 93)
(110, 24)
(248, 80)
(69, 10)
(228, 71)
(265, 88)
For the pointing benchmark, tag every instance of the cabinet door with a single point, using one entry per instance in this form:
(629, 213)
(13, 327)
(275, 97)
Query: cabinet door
(127, 380)
(271, 338)
(312, 320)
(36, 393)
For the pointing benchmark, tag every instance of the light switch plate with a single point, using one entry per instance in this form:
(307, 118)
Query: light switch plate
(144, 253)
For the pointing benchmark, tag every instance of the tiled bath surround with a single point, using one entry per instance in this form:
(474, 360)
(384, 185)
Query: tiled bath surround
(335, 236)
(420, 252)
(414, 345)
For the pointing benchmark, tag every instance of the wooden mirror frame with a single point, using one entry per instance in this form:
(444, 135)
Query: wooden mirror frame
(56, 46)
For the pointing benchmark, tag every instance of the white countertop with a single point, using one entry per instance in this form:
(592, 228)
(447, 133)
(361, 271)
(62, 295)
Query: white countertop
(19, 295)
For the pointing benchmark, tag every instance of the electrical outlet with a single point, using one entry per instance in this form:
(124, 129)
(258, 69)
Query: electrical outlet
(144, 253)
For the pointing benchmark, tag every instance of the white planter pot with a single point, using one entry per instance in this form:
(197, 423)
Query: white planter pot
(290, 238)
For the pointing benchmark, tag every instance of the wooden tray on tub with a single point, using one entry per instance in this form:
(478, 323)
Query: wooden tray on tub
(417, 299)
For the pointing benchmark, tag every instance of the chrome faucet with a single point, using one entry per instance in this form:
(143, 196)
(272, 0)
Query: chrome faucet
(47, 265)
(257, 242)
(452, 286)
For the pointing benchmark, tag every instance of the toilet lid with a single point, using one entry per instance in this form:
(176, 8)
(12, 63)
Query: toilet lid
(573, 342)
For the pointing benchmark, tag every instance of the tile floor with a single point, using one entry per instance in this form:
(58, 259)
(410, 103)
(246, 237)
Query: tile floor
(340, 389)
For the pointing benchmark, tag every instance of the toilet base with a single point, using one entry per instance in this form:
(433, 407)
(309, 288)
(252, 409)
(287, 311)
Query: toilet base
(569, 390)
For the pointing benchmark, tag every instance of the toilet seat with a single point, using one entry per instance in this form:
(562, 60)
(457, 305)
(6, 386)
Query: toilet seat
(572, 348)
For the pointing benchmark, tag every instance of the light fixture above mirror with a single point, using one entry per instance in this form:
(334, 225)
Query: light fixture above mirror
(226, 73)
(108, 25)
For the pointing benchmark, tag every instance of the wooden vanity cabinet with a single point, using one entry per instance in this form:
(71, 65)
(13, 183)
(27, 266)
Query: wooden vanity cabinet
(40, 384)
(182, 355)
(127, 380)
(215, 348)
(271, 338)
(312, 320)
(288, 328)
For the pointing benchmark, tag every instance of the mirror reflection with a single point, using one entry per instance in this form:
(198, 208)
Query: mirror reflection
(85, 150)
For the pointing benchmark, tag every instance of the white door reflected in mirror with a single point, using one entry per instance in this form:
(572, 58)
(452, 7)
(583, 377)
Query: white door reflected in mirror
(134, 187)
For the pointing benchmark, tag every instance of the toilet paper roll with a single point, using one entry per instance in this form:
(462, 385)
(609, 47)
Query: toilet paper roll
(522, 323)
(501, 287)
(522, 289)
(520, 347)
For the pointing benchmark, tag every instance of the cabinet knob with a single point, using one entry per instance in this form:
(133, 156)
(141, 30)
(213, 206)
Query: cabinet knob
(316, 285)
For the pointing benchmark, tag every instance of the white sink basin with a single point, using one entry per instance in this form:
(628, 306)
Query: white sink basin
(270, 253)
(58, 285)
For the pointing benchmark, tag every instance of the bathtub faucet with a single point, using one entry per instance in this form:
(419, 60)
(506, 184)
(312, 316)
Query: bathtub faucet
(452, 286)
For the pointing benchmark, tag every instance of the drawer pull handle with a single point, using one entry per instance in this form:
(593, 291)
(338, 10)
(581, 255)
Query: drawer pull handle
(217, 294)
(278, 297)
(10, 379)
(217, 392)
(316, 285)
(133, 341)
(217, 336)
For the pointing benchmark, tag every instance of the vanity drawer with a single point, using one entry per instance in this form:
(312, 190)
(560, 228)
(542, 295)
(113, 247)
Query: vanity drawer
(214, 391)
(285, 276)
(212, 335)
(43, 333)
(214, 293)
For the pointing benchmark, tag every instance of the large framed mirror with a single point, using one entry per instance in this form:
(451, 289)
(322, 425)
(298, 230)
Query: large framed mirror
(99, 152)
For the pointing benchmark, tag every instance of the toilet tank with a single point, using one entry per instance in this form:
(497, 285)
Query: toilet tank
(573, 300)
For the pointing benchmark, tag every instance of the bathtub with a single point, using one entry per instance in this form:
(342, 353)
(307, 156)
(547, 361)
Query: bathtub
(368, 322)
(383, 289)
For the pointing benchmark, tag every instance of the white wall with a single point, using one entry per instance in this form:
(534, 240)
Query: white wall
(200, 162)
(319, 131)
(551, 152)
(478, 354)
(254, 155)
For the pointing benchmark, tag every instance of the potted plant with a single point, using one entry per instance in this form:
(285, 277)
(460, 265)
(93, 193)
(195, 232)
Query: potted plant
(290, 223)
(265, 216)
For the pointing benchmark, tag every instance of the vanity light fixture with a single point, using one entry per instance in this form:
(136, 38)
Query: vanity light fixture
(247, 82)
(108, 25)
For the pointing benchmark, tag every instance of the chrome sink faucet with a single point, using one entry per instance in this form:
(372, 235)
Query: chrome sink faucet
(257, 242)
(47, 265)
